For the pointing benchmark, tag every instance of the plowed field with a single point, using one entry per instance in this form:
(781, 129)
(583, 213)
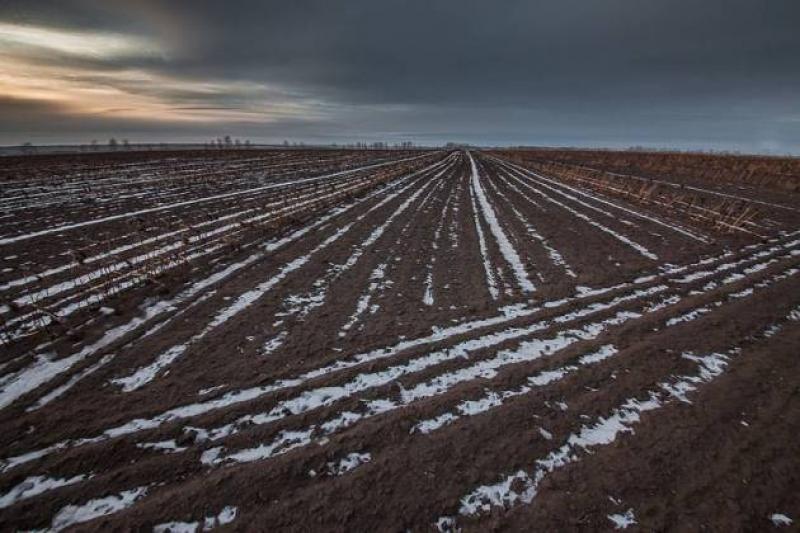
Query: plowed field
(381, 341)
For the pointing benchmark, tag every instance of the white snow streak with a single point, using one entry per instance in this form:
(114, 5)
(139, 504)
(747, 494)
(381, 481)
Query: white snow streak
(622, 238)
(506, 248)
(35, 485)
(225, 516)
(77, 514)
(59, 229)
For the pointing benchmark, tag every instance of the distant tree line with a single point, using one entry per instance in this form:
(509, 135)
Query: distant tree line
(227, 143)
(113, 145)
(378, 145)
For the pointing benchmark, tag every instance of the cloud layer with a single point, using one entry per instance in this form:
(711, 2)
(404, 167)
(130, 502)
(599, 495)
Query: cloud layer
(678, 73)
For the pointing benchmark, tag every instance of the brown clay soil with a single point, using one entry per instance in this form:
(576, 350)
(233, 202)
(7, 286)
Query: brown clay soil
(322, 340)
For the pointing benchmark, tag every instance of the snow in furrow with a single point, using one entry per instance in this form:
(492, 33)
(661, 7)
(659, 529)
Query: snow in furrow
(483, 369)
(622, 238)
(245, 198)
(494, 399)
(35, 485)
(695, 276)
(58, 229)
(45, 369)
(303, 304)
(704, 310)
(116, 251)
(428, 297)
(146, 374)
(521, 487)
(77, 514)
(300, 201)
(71, 382)
(300, 305)
(423, 204)
(519, 191)
(555, 255)
(164, 195)
(323, 396)
(528, 351)
(532, 177)
(487, 265)
(246, 395)
(377, 282)
(454, 226)
(33, 321)
(202, 249)
(506, 248)
(677, 229)
(486, 369)
(158, 171)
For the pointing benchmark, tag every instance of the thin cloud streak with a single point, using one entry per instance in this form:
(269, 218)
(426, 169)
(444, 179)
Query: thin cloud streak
(92, 89)
(24, 39)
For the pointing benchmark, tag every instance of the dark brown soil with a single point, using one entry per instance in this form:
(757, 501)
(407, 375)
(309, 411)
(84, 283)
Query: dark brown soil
(381, 298)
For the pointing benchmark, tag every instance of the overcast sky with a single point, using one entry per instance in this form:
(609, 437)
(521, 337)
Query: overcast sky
(718, 74)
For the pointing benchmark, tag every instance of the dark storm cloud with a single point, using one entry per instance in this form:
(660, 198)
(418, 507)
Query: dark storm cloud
(719, 74)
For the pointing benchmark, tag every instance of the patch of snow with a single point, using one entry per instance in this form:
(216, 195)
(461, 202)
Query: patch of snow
(166, 446)
(77, 514)
(780, 519)
(35, 485)
(348, 463)
(225, 516)
(274, 343)
(623, 521)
